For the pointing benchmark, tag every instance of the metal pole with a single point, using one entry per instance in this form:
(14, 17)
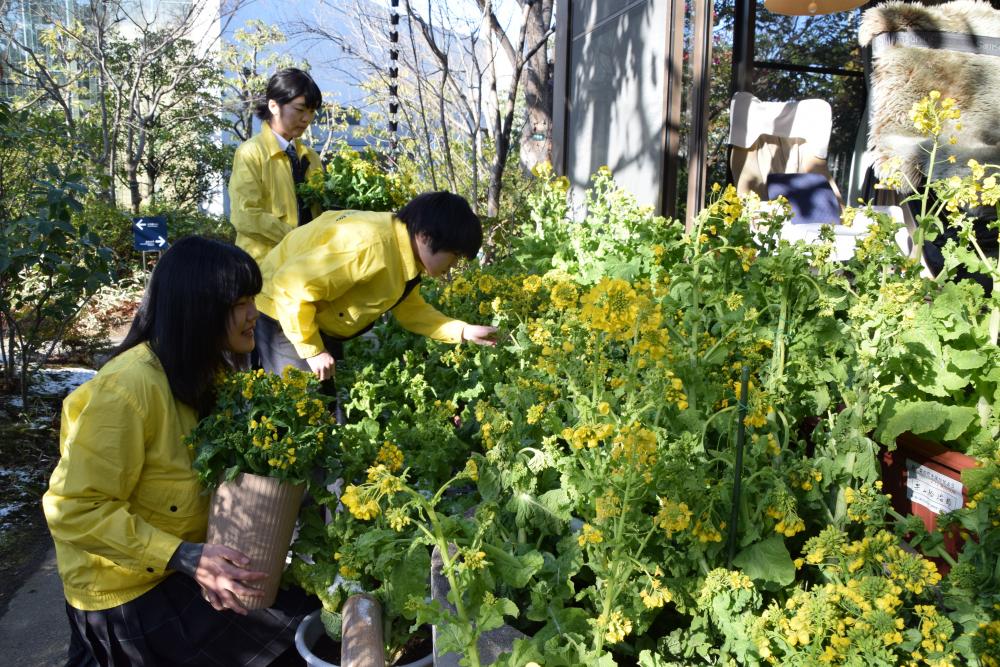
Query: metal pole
(673, 110)
(741, 432)
(701, 77)
(743, 45)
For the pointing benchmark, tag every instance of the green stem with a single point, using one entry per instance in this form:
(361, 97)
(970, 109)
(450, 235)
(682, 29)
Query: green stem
(733, 330)
(995, 312)
(925, 197)
(696, 305)
(778, 353)
(619, 574)
(448, 567)
(995, 318)
(704, 428)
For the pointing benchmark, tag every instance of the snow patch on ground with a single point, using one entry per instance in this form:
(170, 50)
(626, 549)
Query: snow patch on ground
(20, 491)
(18, 475)
(7, 510)
(50, 383)
(60, 381)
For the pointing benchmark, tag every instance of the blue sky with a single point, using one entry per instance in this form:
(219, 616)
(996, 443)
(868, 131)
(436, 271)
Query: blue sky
(286, 14)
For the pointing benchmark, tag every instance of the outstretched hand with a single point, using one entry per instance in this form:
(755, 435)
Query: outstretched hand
(480, 334)
(222, 575)
(323, 365)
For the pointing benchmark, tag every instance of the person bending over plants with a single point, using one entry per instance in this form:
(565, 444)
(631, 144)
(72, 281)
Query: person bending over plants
(124, 504)
(331, 280)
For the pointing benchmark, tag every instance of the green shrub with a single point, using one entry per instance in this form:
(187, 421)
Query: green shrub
(112, 224)
(182, 223)
(49, 268)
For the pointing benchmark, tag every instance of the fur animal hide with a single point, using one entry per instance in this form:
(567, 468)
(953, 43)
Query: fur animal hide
(902, 75)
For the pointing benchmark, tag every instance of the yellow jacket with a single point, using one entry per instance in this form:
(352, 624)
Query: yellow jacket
(339, 273)
(123, 495)
(262, 194)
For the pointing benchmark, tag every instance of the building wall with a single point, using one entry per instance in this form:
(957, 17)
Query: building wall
(614, 87)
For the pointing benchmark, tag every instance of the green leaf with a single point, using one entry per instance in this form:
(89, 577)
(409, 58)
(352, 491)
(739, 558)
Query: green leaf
(489, 483)
(820, 397)
(563, 621)
(977, 479)
(557, 502)
(650, 659)
(333, 623)
(524, 652)
(948, 421)
(409, 578)
(491, 614)
(452, 638)
(605, 660)
(965, 360)
(514, 570)
(768, 560)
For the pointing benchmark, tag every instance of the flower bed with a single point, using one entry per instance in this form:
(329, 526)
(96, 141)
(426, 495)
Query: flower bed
(598, 444)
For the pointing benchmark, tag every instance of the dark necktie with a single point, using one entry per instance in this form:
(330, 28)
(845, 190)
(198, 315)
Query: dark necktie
(298, 176)
(298, 172)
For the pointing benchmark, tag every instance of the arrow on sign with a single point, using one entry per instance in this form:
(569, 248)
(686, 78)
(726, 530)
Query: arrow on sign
(141, 225)
(160, 241)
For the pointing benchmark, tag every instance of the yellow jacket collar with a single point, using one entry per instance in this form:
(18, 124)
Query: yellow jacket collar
(271, 142)
(411, 265)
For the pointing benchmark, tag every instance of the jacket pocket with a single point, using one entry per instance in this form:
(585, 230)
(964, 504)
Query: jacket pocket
(171, 505)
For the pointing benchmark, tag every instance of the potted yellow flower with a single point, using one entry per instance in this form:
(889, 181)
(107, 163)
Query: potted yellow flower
(257, 452)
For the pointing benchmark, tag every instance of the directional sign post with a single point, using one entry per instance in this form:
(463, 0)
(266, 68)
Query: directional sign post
(150, 233)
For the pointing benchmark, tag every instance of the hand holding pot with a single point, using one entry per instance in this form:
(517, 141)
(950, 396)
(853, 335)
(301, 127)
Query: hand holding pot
(222, 577)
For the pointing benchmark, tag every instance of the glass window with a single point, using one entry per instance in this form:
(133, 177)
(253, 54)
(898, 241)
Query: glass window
(800, 57)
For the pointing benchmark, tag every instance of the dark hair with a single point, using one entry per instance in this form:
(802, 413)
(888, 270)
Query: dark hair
(184, 314)
(446, 220)
(284, 86)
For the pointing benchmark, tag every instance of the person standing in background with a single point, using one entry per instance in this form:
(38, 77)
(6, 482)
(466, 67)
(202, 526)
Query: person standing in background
(266, 168)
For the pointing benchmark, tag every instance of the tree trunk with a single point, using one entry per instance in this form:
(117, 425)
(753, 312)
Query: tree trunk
(536, 139)
(504, 118)
(135, 195)
(505, 124)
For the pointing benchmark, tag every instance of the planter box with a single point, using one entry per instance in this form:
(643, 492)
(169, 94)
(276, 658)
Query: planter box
(925, 480)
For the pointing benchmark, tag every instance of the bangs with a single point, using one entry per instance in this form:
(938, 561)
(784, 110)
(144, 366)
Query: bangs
(314, 98)
(243, 277)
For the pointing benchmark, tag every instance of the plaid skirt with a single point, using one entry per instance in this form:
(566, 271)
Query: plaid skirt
(173, 625)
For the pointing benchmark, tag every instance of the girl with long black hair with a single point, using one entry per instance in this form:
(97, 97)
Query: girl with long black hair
(124, 506)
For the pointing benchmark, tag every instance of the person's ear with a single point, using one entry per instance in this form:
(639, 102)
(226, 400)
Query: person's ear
(274, 107)
(424, 239)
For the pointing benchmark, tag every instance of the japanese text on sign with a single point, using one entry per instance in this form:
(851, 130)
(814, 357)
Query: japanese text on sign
(935, 491)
